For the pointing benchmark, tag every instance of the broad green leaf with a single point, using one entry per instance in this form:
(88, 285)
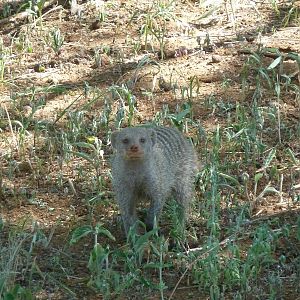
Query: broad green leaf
(9, 296)
(97, 257)
(270, 189)
(231, 178)
(270, 157)
(264, 74)
(277, 89)
(275, 63)
(291, 154)
(272, 50)
(80, 232)
(183, 114)
(295, 56)
(142, 240)
(258, 176)
(83, 155)
(99, 229)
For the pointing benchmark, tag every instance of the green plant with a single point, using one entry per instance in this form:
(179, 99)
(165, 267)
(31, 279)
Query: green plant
(7, 10)
(189, 91)
(126, 99)
(155, 22)
(106, 276)
(17, 252)
(97, 57)
(177, 219)
(3, 60)
(95, 155)
(180, 119)
(55, 40)
(102, 14)
(105, 114)
(40, 5)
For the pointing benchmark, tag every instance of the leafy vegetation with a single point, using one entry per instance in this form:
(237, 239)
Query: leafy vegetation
(63, 91)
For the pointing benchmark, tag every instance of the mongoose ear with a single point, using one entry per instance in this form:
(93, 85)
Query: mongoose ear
(113, 138)
(153, 136)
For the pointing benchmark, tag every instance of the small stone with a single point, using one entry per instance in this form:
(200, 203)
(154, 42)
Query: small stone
(39, 68)
(216, 59)
(95, 25)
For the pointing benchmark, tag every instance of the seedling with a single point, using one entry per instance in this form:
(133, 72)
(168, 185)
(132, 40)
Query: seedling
(55, 41)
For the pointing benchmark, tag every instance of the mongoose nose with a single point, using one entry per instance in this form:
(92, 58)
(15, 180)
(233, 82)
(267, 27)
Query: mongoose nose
(134, 148)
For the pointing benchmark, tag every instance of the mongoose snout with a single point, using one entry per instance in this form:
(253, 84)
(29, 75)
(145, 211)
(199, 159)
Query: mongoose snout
(134, 148)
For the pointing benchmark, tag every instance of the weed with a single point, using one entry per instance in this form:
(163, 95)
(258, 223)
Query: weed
(17, 251)
(291, 15)
(97, 57)
(40, 5)
(3, 60)
(55, 40)
(127, 104)
(103, 263)
(7, 10)
(154, 23)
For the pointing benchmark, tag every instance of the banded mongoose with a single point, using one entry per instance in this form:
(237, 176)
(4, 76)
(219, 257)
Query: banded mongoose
(151, 164)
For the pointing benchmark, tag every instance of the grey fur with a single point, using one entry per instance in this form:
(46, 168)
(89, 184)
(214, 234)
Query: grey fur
(151, 164)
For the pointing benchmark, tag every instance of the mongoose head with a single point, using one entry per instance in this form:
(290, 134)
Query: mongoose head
(134, 143)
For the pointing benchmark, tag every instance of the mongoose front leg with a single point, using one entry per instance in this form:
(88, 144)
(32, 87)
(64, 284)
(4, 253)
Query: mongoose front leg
(127, 204)
(154, 211)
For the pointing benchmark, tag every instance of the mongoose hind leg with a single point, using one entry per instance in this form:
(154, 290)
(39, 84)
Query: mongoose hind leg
(183, 195)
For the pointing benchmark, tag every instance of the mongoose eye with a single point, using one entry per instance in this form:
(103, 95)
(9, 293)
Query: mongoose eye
(125, 141)
(142, 140)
